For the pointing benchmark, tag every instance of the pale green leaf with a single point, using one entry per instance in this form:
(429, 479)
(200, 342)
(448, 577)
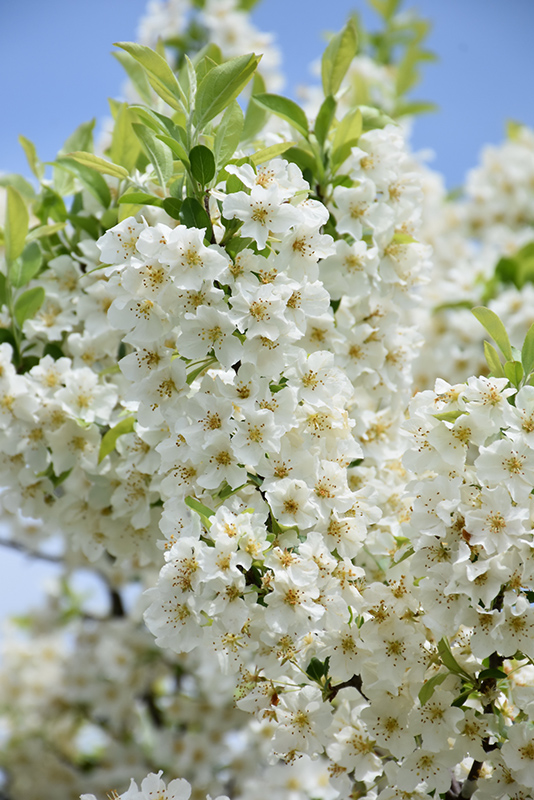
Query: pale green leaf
(286, 109)
(228, 134)
(137, 75)
(28, 304)
(324, 119)
(428, 688)
(45, 230)
(31, 156)
(255, 116)
(176, 147)
(337, 58)
(124, 143)
(527, 351)
(346, 137)
(16, 224)
(160, 75)
(98, 164)
(109, 440)
(514, 372)
(221, 86)
(495, 328)
(203, 511)
(268, 153)
(157, 151)
(90, 178)
(493, 360)
(26, 266)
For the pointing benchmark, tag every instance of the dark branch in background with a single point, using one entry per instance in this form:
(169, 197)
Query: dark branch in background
(117, 607)
(355, 682)
(31, 554)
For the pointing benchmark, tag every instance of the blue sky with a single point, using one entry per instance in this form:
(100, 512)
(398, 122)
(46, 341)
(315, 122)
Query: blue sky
(57, 71)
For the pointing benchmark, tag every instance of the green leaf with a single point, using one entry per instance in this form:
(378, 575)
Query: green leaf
(372, 118)
(317, 669)
(527, 351)
(23, 187)
(268, 153)
(255, 116)
(159, 74)
(228, 134)
(44, 230)
(324, 119)
(137, 75)
(98, 164)
(286, 109)
(428, 688)
(507, 271)
(302, 158)
(176, 147)
(203, 511)
(31, 156)
(3, 289)
(449, 416)
(124, 143)
(202, 163)
(16, 224)
(172, 206)
(81, 139)
(495, 328)
(109, 440)
(514, 372)
(194, 215)
(157, 151)
(28, 304)
(493, 360)
(91, 179)
(337, 57)
(448, 660)
(413, 108)
(492, 672)
(140, 199)
(346, 136)
(222, 85)
(26, 266)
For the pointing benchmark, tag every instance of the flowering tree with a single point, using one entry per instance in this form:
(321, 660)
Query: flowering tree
(318, 582)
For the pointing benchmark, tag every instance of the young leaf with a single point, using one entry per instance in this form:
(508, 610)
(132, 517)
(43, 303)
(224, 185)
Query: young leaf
(228, 134)
(109, 440)
(222, 85)
(202, 164)
(124, 143)
(140, 199)
(91, 178)
(285, 108)
(346, 136)
(448, 660)
(428, 688)
(28, 304)
(81, 139)
(493, 360)
(98, 164)
(262, 156)
(337, 58)
(160, 75)
(527, 351)
(203, 511)
(255, 116)
(172, 206)
(157, 151)
(45, 230)
(31, 156)
(137, 75)
(176, 147)
(16, 224)
(514, 372)
(26, 266)
(495, 328)
(324, 119)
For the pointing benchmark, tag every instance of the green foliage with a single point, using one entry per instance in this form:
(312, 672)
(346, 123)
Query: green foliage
(159, 74)
(221, 86)
(31, 155)
(527, 351)
(337, 58)
(88, 176)
(203, 511)
(324, 119)
(16, 224)
(256, 116)
(26, 266)
(495, 328)
(109, 440)
(194, 215)
(228, 134)
(124, 148)
(346, 137)
(428, 688)
(202, 163)
(286, 109)
(159, 153)
(28, 304)
(95, 163)
(137, 75)
(268, 153)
